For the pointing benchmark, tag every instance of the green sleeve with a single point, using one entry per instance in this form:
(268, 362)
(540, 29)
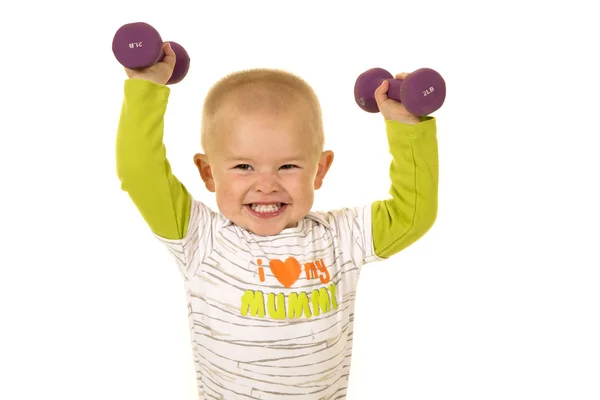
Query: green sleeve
(142, 166)
(400, 221)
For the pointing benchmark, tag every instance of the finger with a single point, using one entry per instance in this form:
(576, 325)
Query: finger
(381, 92)
(402, 75)
(170, 57)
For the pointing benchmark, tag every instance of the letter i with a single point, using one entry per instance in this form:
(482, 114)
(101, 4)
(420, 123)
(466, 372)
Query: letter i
(261, 272)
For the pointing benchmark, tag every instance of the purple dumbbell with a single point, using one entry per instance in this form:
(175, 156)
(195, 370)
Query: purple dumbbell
(421, 92)
(138, 46)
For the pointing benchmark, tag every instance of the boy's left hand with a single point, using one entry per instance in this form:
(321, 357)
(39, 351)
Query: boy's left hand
(392, 109)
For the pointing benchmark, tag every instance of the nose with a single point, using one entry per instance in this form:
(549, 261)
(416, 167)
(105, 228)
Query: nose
(266, 182)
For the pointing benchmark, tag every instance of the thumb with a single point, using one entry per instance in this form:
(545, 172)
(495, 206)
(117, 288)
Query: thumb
(170, 57)
(381, 92)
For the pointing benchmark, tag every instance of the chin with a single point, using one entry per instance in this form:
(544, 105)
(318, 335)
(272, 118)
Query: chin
(265, 231)
(271, 230)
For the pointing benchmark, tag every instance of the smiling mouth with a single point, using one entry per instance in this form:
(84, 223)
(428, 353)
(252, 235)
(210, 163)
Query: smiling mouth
(272, 206)
(267, 210)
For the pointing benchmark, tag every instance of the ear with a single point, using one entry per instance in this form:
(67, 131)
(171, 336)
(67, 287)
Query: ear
(324, 163)
(203, 166)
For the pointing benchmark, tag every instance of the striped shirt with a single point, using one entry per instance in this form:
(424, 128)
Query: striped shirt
(272, 317)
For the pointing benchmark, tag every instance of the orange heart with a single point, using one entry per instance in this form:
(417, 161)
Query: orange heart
(286, 272)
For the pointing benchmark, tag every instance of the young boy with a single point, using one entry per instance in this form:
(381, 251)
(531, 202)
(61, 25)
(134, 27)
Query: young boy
(270, 284)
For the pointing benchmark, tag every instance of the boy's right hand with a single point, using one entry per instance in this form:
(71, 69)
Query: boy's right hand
(159, 73)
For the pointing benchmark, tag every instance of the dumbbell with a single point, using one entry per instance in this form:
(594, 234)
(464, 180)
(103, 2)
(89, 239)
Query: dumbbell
(138, 46)
(421, 92)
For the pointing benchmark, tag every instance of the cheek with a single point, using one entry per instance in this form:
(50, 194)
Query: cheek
(300, 185)
(229, 186)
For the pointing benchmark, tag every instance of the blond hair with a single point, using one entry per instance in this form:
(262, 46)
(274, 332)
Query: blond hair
(261, 89)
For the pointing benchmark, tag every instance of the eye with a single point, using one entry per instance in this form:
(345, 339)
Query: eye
(289, 166)
(243, 167)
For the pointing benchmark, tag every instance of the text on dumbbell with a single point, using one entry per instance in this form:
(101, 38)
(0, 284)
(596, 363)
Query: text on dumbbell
(428, 91)
(135, 44)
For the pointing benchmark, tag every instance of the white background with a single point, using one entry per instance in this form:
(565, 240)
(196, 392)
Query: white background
(500, 300)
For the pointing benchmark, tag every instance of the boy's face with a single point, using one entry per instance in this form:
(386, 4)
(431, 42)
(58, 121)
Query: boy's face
(264, 171)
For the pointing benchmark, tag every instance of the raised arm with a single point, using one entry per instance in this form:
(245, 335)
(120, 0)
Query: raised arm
(400, 221)
(142, 166)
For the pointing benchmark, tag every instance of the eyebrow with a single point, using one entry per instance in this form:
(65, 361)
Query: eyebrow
(294, 158)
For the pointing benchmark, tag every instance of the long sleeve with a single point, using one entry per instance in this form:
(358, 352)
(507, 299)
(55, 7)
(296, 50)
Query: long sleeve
(402, 220)
(142, 166)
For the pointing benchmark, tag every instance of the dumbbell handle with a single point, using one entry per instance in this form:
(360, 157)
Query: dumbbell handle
(394, 89)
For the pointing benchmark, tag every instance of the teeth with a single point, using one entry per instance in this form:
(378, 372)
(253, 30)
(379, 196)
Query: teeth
(266, 208)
